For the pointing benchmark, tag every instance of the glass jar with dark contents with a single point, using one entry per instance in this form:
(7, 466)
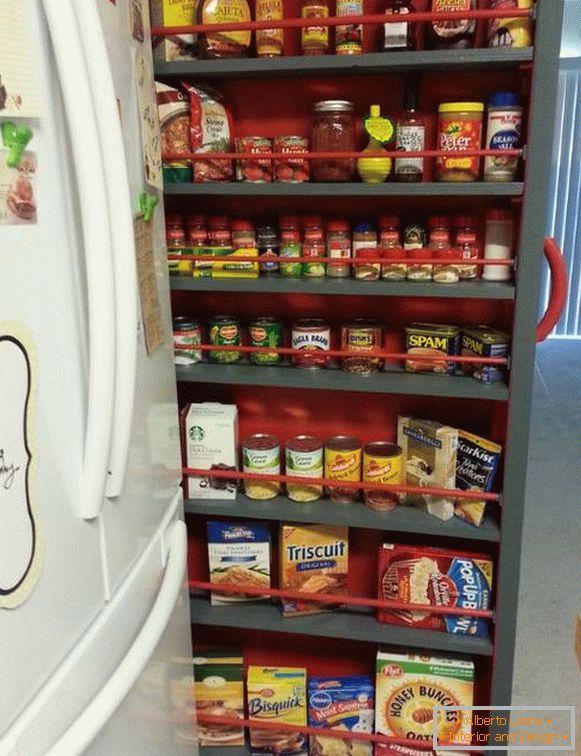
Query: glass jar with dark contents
(333, 131)
(267, 245)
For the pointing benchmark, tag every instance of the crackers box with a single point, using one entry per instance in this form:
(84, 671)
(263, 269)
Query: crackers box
(239, 554)
(174, 13)
(277, 694)
(476, 464)
(219, 692)
(314, 559)
(438, 577)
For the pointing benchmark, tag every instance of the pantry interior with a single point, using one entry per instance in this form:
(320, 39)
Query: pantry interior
(275, 96)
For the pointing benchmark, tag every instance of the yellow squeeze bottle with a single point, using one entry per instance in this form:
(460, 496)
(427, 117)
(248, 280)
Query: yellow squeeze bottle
(380, 130)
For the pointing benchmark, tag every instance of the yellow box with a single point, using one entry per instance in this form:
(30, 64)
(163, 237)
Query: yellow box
(314, 559)
(225, 265)
(174, 13)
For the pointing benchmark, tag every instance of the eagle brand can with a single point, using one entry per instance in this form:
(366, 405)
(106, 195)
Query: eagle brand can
(313, 339)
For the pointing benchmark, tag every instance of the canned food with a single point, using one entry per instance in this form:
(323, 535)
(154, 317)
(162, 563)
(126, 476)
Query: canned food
(313, 339)
(187, 331)
(382, 463)
(224, 331)
(261, 454)
(294, 269)
(265, 332)
(362, 336)
(343, 462)
(304, 459)
(292, 170)
(256, 170)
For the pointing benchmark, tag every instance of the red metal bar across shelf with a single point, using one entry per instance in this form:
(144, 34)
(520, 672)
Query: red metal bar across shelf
(366, 18)
(342, 260)
(181, 156)
(336, 598)
(448, 493)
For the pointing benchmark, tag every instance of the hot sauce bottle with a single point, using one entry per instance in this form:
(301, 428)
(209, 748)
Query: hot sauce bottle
(410, 136)
(269, 42)
(398, 35)
(315, 39)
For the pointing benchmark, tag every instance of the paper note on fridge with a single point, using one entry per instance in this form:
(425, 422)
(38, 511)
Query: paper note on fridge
(18, 84)
(148, 293)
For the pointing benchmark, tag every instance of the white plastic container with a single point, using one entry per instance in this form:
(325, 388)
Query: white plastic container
(504, 132)
(498, 238)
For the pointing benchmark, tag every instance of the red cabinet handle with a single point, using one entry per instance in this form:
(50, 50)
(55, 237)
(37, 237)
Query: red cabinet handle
(559, 286)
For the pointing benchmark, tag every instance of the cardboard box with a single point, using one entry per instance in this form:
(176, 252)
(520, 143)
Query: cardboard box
(174, 13)
(219, 692)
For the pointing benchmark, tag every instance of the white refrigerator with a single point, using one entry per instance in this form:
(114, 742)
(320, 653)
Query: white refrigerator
(94, 618)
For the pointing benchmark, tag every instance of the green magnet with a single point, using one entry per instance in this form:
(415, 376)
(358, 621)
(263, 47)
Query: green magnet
(15, 139)
(147, 204)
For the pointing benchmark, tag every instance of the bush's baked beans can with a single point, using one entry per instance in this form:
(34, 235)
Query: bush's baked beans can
(265, 332)
(256, 170)
(362, 336)
(224, 331)
(304, 459)
(187, 331)
(382, 463)
(313, 338)
(343, 462)
(261, 454)
(293, 169)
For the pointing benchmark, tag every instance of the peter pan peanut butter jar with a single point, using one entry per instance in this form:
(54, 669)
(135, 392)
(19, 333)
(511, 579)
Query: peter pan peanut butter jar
(459, 130)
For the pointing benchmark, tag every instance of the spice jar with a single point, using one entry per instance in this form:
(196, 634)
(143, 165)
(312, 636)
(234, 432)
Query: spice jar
(333, 131)
(243, 236)
(498, 241)
(196, 231)
(315, 39)
(466, 246)
(390, 247)
(440, 244)
(267, 245)
(219, 231)
(313, 246)
(503, 132)
(290, 245)
(459, 130)
(414, 244)
(365, 270)
(338, 247)
(175, 242)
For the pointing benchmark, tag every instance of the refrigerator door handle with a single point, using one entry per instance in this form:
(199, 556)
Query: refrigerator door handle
(92, 198)
(83, 731)
(122, 236)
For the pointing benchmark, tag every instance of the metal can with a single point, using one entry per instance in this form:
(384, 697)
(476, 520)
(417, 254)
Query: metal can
(343, 462)
(257, 170)
(293, 269)
(187, 331)
(261, 454)
(304, 459)
(362, 336)
(291, 170)
(382, 463)
(313, 339)
(265, 332)
(224, 331)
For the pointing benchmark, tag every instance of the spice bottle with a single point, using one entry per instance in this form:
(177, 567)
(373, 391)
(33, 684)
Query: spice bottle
(498, 240)
(365, 246)
(175, 242)
(243, 236)
(267, 245)
(414, 244)
(503, 133)
(398, 35)
(349, 39)
(313, 246)
(226, 44)
(467, 246)
(390, 247)
(410, 137)
(219, 231)
(290, 246)
(196, 231)
(441, 246)
(269, 42)
(445, 35)
(338, 248)
(315, 39)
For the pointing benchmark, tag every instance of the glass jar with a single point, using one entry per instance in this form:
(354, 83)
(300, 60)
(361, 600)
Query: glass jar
(414, 244)
(243, 235)
(267, 245)
(313, 246)
(467, 246)
(459, 130)
(219, 231)
(174, 232)
(338, 247)
(315, 39)
(197, 233)
(364, 269)
(440, 244)
(333, 131)
(398, 36)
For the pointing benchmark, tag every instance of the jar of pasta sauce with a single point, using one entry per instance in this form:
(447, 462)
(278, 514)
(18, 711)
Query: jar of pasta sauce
(333, 131)
(459, 130)
(338, 248)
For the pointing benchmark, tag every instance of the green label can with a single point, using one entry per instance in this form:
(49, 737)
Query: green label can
(225, 331)
(293, 269)
(186, 332)
(266, 332)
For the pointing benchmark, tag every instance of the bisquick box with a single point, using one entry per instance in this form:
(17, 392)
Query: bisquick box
(476, 464)
(485, 342)
(210, 441)
(174, 13)
(219, 692)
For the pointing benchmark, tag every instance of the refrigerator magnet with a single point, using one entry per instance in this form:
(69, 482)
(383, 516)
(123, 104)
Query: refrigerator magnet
(17, 188)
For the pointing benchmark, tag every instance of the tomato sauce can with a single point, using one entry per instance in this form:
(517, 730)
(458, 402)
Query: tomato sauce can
(224, 331)
(343, 462)
(187, 331)
(362, 336)
(261, 455)
(292, 169)
(313, 339)
(382, 463)
(265, 332)
(304, 459)
(257, 170)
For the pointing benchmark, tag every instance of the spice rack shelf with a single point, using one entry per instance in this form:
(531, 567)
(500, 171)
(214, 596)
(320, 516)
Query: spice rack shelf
(219, 751)
(348, 624)
(306, 189)
(394, 381)
(347, 287)
(322, 512)
(340, 65)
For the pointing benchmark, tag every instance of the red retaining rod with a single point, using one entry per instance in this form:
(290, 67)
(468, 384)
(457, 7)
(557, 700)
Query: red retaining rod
(180, 156)
(341, 260)
(336, 598)
(448, 493)
(366, 18)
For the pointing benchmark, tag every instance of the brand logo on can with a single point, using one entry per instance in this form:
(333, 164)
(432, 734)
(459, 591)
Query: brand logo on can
(258, 334)
(229, 331)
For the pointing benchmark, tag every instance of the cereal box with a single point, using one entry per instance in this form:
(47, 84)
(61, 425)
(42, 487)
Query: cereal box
(344, 703)
(219, 692)
(314, 559)
(277, 694)
(438, 577)
(429, 452)
(483, 342)
(476, 464)
(174, 13)
(239, 554)
(408, 686)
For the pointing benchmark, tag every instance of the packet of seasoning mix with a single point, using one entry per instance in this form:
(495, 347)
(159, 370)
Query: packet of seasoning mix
(477, 460)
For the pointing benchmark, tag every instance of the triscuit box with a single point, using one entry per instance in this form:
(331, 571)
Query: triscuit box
(174, 13)
(219, 692)
(210, 442)
(476, 464)
(429, 453)
(238, 554)
(277, 694)
(408, 686)
(435, 577)
(314, 559)
(343, 703)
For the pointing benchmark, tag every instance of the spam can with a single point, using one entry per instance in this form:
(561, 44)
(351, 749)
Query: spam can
(430, 341)
(484, 342)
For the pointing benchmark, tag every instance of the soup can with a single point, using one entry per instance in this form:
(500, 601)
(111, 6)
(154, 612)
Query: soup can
(343, 462)
(265, 332)
(304, 459)
(257, 170)
(382, 463)
(313, 338)
(261, 454)
(292, 169)
(187, 331)
(362, 336)
(224, 331)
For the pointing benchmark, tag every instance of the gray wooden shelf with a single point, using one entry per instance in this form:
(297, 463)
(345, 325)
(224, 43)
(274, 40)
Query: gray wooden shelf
(325, 512)
(347, 287)
(348, 623)
(338, 65)
(395, 381)
(221, 751)
(308, 189)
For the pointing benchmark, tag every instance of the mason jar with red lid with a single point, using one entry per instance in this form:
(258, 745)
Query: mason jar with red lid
(243, 234)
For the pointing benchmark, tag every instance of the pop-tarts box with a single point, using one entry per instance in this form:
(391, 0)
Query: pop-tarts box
(346, 703)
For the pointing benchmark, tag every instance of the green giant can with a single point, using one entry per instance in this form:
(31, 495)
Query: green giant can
(265, 332)
(225, 331)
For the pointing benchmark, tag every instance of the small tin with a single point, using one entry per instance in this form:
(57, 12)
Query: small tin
(293, 169)
(484, 342)
(265, 332)
(362, 336)
(187, 331)
(257, 170)
(313, 339)
(224, 331)
(382, 463)
(261, 454)
(343, 462)
(304, 459)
